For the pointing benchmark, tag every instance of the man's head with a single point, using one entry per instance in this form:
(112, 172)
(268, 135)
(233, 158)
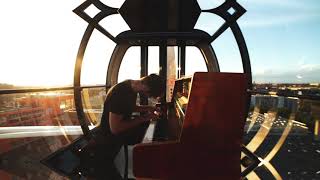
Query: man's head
(155, 84)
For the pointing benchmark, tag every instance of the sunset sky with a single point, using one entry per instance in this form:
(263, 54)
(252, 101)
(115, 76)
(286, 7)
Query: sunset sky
(39, 41)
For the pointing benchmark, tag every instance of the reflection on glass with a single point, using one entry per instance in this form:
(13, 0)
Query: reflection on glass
(37, 109)
(34, 125)
(181, 94)
(180, 102)
(118, 24)
(99, 47)
(194, 61)
(93, 100)
(153, 59)
(281, 130)
(130, 65)
(177, 107)
(229, 58)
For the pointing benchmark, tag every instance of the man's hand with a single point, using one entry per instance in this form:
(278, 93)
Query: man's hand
(151, 116)
(145, 108)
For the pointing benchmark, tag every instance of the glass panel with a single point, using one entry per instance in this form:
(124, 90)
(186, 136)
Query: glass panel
(282, 131)
(92, 11)
(114, 24)
(113, 3)
(93, 101)
(32, 126)
(215, 23)
(283, 40)
(130, 65)
(38, 109)
(205, 4)
(172, 70)
(96, 59)
(194, 61)
(20, 157)
(227, 52)
(153, 59)
(40, 44)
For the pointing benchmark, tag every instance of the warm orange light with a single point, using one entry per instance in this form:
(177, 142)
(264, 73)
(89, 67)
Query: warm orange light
(316, 128)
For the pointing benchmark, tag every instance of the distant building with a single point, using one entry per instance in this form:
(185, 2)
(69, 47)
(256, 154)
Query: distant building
(266, 101)
(275, 102)
(291, 103)
(36, 110)
(253, 101)
(281, 101)
(26, 116)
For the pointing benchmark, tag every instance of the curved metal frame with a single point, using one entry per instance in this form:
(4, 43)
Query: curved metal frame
(115, 62)
(93, 24)
(209, 57)
(230, 21)
(76, 82)
(121, 47)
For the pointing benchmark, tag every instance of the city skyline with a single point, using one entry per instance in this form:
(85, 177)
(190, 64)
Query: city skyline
(39, 46)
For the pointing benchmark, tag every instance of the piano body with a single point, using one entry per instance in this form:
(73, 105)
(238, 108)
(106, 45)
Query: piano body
(204, 131)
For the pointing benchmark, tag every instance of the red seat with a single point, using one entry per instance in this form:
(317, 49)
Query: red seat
(209, 146)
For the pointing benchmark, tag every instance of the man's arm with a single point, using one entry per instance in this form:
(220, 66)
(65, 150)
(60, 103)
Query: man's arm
(119, 125)
(145, 108)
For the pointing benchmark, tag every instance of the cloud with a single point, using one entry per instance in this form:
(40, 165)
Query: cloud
(268, 13)
(306, 74)
(274, 20)
(263, 71)
(262, 13)
(282, 3)
(309, 67)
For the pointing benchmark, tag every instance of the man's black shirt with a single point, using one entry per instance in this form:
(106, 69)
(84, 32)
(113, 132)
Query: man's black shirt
(121, 99)
(97, 159)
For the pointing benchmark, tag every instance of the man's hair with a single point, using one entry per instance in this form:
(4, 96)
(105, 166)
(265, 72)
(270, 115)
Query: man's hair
(156, 84)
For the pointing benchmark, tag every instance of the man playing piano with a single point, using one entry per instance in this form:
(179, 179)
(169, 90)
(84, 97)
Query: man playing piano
(118, 126)
(117, 123)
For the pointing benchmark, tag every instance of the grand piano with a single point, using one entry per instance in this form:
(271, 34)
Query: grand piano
(203, 131)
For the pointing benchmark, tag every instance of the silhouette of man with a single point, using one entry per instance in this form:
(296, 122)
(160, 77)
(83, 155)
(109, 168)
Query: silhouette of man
(118, 126)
